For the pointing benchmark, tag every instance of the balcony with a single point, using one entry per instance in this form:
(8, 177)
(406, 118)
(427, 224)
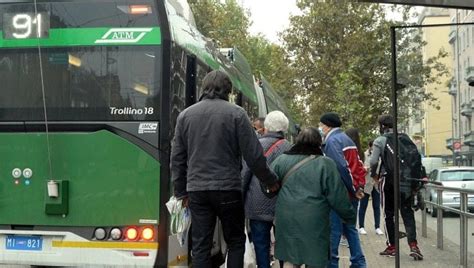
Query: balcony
(452, 34)
(470, 75)
(469, 138)
(466, 108)
(453, 87)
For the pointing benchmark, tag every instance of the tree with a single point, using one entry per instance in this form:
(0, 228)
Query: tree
(271, 61)
(342, 59)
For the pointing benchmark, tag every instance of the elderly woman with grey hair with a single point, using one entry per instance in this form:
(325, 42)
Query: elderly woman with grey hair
(260, 207)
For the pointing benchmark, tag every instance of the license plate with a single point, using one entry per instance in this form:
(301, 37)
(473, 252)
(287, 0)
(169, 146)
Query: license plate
(18, 242)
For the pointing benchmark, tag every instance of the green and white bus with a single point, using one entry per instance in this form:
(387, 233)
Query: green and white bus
(90, 92)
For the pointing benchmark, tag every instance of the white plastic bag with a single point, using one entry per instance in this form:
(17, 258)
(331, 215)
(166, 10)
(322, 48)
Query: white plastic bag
(180, 219)
(250, 260)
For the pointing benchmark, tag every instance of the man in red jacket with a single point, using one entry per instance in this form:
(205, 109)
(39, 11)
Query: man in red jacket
(340, 148)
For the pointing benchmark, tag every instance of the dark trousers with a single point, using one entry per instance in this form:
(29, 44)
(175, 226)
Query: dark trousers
(261, 241)
(408, 215)
(228, 206)
(364, 202)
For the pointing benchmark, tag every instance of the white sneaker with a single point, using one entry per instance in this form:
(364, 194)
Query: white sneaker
(362, 231)
(344, 242)
(379, 231)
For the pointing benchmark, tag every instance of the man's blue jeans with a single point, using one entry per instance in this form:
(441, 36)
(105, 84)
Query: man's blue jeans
(261, 241)
(350, 231)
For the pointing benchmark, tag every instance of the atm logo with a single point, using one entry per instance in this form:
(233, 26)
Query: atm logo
(123, 35)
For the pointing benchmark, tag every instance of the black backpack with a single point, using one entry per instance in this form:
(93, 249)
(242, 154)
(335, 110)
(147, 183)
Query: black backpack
(410, 164)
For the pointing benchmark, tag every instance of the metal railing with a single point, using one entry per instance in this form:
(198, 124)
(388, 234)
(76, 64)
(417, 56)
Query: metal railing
(463, 213)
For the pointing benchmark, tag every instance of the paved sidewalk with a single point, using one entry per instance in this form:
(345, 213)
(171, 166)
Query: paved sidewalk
(372, 244)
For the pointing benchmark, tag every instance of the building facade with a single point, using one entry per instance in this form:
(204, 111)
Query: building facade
(461, 39)
(432, 126)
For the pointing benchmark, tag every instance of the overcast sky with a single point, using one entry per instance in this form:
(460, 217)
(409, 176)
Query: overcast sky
(269, 16)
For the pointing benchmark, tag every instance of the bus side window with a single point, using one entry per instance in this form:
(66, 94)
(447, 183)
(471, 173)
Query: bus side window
(201, 71)
(239, 99)
(251, 108)
(234, 97)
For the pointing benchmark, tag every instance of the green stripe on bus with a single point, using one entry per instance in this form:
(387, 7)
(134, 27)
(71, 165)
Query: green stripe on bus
(89, 37)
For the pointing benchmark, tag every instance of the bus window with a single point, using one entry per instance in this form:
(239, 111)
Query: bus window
(88, 75)
(201, 71)
(81, 83)
(250, 107)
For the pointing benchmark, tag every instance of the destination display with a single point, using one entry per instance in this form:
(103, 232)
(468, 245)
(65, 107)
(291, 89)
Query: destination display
(26, 25)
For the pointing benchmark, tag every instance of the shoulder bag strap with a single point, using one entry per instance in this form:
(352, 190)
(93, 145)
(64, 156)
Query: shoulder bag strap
(297, 166)
(274, 145)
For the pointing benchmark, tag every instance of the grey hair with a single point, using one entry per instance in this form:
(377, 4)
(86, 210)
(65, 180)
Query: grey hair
(276, 121)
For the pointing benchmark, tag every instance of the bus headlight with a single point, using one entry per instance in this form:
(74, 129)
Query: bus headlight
(100, 233)
(116, 233)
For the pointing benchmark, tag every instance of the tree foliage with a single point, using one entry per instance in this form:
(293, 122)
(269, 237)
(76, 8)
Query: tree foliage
(342, 59)
(227, 23)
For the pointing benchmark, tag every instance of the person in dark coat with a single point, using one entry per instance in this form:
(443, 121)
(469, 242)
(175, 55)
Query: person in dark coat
(259, 209)
(211, 137)
(307, 196)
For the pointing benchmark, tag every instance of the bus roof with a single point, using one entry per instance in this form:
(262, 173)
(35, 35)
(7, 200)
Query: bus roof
(189, 38)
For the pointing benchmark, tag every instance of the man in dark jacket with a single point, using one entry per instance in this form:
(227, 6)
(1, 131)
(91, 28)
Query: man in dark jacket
(387, 195)
(211, 137)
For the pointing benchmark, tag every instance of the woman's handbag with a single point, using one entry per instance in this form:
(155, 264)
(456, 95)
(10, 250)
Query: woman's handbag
(265, 190)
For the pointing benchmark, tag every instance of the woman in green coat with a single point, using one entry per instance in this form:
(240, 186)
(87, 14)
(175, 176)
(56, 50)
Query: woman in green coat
(307, 195)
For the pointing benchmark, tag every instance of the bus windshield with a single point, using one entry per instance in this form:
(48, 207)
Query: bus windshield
(93, 64)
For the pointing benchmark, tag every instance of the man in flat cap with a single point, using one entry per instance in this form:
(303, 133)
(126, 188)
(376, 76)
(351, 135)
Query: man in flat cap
(340, 148)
